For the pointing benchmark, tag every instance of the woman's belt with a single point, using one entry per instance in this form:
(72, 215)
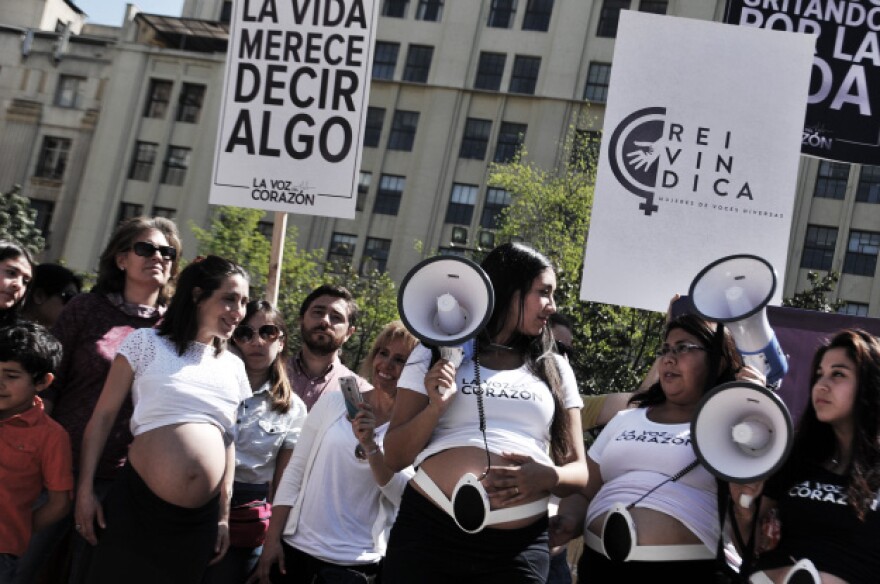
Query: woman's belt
(469, 506)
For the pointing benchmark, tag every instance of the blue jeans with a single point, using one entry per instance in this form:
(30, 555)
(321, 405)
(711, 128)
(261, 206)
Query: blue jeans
(560, 573)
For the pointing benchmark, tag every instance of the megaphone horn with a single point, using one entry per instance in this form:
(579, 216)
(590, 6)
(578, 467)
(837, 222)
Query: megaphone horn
(445, 301)
(735, 290)
(741, 432)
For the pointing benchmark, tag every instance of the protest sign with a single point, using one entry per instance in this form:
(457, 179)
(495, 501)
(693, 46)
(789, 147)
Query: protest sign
(295, 99)
(699, 155)
(842, 121)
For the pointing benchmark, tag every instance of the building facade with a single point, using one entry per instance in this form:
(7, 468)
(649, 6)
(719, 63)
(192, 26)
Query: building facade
(457, 84)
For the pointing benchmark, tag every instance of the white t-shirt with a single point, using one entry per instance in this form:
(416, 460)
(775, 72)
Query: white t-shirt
(635, 455)
(168, 388)
(518, 406)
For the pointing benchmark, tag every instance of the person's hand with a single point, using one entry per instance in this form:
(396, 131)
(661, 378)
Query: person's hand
(520, 481)
(88, 511)
(749, 373)
(562, 530)
(272, 553)
(364, 426)
(222, 544)
(440, 383)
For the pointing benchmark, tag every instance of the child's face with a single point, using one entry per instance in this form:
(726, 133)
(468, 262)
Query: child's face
(17, 388)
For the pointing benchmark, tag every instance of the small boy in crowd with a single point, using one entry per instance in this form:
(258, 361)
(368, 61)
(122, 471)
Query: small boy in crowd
(34, 449)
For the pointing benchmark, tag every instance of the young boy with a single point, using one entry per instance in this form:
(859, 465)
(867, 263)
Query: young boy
(34, 449)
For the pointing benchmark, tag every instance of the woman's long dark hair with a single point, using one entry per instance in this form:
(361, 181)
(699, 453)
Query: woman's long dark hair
(721, 350)
(11, 250)
(181, 322)
(281, 391)
(512, 268)
(815, 441)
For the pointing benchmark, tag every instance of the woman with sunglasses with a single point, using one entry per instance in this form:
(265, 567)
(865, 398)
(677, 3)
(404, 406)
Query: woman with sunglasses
(135, 275)
(337, 498)
(492, 440)
(167, 514)
(16, 271)
(52, 287)
(652, 508)
(266, 430)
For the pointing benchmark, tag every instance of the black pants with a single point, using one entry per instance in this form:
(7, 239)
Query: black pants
(427, 547)
(595, 568)
(303, 568)
(149, 540)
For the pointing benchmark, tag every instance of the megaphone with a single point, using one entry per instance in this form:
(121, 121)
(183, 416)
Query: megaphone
(735, 290)
(445, 301)
(741, 432)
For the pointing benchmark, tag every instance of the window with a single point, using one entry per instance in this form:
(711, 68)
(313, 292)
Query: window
(373, 129)
(653, 6)
(510, 138)
(819, 247)
(430, 10)
(489, 71)
(609, 16)
(385, 60)
(475, 139)
(53, 157)
(375, 255)
(389, 194)
(418, 63)
(597, 82)
(226, 12)
(176, 163)
(501, 13)
(831, 180)
(403, 130)
(190, 104)
(869, 185)
(43, 218)
(158, 99)
(452, 251)
(585, 150)
(394, 8)
(143, 160)
(69, 91)
(265, 228)
(861, 253)
(461, 204)
(129, 210)
(854, 309)
(166, 212)
(363, 188)
(341, 252)
(525, 74)
(537, 16)
(496, 201)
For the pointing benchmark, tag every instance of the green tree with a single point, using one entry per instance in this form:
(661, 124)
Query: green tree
(816, 296)
(550, 210)
(17, 221)
(234, 233)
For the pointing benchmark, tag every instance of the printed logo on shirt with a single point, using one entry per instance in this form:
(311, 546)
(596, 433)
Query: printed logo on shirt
(656, 437)
(826, 493)
(498, 389)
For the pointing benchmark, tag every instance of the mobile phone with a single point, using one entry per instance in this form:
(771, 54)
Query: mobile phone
(352, 395)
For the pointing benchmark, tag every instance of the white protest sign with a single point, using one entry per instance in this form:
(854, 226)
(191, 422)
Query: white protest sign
(294, 103)
(699, 155)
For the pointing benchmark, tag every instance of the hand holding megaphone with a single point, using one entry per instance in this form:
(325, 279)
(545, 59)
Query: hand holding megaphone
(440, 383)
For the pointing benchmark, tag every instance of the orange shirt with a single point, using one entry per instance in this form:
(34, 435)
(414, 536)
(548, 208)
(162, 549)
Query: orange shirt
(34, 453)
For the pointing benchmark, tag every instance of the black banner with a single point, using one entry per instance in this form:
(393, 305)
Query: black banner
(843, 111)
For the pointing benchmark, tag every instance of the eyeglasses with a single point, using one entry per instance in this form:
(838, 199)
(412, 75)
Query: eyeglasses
(566, 351)
(145, 249)
(678, 349)
(268, 332)
(66, 295)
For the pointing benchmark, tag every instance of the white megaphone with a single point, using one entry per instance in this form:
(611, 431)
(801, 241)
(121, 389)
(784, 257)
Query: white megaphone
(735, 290)
(741, 432)
(445, 301)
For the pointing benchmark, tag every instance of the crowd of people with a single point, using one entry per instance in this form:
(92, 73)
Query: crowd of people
(162, 428)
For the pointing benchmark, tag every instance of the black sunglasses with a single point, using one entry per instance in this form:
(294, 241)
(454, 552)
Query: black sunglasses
(267, 332)
(566, 351)
(145, 249)
(66, 295)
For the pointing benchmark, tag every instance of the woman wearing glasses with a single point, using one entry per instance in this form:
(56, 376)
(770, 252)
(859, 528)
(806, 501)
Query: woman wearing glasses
(52, 287)
(267, 428)
(135, 274)
(652, 510)
(337, 498)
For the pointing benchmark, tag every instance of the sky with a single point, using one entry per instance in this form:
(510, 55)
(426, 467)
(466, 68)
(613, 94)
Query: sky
(111, 11)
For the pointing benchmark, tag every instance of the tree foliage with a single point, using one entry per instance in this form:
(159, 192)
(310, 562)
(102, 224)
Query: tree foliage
(816, 297)
(550, 210)
(17, 221)
(234, 233)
